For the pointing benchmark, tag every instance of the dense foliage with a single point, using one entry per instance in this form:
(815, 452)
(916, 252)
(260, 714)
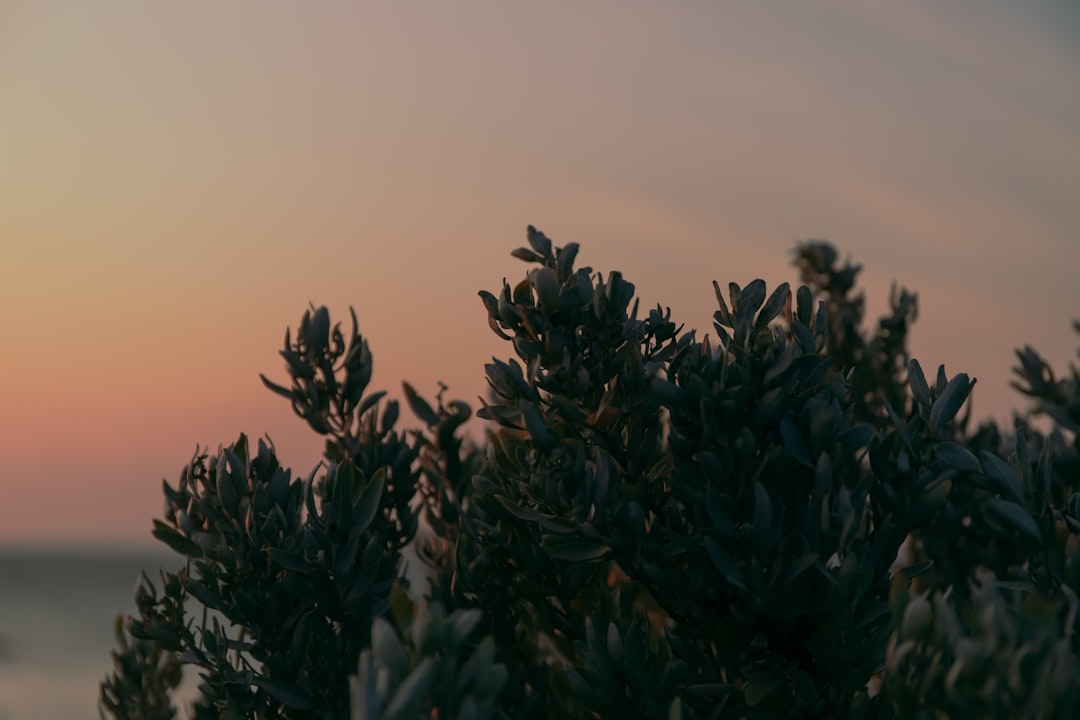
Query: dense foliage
(790, 519)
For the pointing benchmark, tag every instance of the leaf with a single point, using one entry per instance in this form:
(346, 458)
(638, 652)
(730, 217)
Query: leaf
(750, 299)
(821, 322)
(1016, 516)
(1004, 477)
(289, 560)
(950, 401)
(1044, 471)
(723, 315)
(777, 302)
(364, 691)
(285, 693)
(420, 407)
(714, 504)
(539, 241)
(275, 388)
(327, 597)
(917, 382)
(564, 258)
(753, 295)
(803, 336)
(722, 333)
(734, 294)
(464, 622)
(804, 305)
(723, 562)
(901, 426)
(295, 365)
(411, 692)
(546, 285)
(368, 504)
(856, 438)
(794, 442)
(799, 566)
(763, 515)
(319, 339)
(388, 651)
(526, 254)
(552, 523)
(172, 537)
(958, 457)
(573, 549)
(390, 415)
(370, 401)
(491, 304)
(804, 689)
(760, 688)
(870, 615)
(541, 434)
(522, 295)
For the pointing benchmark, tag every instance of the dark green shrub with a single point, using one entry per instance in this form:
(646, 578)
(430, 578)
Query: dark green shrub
(789, 520)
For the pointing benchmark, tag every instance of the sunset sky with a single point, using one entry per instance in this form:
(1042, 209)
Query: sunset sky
(179, 180)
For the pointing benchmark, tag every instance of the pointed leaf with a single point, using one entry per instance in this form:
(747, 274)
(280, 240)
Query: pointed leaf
(723, 562)
(541, 434)
(320, 330)
(723, 315)
(565, 259)
(275, 388)
(368, 504)
(804, 305)
(799, 566)
(464, 622)
(1004, 477)
(763, 515)
(750, 299)
(958, 457)
(410, 692)
(794, 442)
(719, 516)
(178, 542)
(753, 295)
(548, 522)
(370, 401)
(388, 651)
(573, 549)
(526, 254)
(420, 406)
(289, 560)
(950, 401)
(761, 687)
(917, 382)
(539, 241)
(1016, 516)
(777, 302)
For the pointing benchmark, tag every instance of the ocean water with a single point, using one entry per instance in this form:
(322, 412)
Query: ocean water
(57, 610)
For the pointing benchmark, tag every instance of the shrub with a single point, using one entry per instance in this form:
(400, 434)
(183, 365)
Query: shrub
(789, 520)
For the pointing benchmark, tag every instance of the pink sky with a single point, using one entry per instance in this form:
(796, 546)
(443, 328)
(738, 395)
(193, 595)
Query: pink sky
(179, 180)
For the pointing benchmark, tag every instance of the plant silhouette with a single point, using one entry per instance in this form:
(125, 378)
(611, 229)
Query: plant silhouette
(788, 517)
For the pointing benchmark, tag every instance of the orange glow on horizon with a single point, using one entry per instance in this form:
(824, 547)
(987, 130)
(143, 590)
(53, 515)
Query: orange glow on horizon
(178, 187)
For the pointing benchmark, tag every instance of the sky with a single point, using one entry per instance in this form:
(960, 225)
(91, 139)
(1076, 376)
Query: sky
(178, 181)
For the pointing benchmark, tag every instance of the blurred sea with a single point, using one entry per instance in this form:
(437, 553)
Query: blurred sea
(56, 626)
